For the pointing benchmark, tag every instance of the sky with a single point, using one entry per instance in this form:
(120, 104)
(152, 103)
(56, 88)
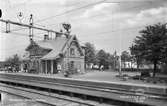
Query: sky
(111, 25)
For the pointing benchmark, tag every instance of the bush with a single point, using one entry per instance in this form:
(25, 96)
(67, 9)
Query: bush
(136, 70)
(73, 71)
(136, 77)
(145, 74)
(32, 71)
(125, 75)
(66, 73)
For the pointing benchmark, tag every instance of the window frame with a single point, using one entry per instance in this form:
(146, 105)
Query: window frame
(72, 52)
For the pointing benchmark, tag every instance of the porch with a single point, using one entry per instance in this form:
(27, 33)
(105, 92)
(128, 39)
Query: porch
(50, 66)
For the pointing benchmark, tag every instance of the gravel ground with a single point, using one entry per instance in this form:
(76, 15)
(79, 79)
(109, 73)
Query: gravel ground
(107, 76)
(110, 76)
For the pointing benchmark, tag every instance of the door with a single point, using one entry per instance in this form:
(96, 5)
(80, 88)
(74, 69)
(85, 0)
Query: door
(55, 71)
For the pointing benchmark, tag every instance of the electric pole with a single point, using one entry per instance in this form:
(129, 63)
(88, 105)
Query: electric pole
(30, 28)
(120, 66)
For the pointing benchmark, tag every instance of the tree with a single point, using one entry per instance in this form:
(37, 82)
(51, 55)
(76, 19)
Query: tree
(89, 53)
(125, 57)
(136, 55)
(111, 60)
(151, 45)
(14, 61)
(103, 58)
(67, 27)
(115, 60)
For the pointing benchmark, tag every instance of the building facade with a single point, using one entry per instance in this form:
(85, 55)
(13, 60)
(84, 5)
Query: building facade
(51, 56)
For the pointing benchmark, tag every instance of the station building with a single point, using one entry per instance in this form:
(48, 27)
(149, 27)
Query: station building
(50, 56)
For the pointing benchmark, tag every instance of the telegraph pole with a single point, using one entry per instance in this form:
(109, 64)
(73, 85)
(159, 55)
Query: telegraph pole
(30, 28)
(120, 66)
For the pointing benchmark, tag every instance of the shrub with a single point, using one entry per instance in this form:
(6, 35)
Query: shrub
(145, 74)
(32, 71)
(136, 77)
(136, 70)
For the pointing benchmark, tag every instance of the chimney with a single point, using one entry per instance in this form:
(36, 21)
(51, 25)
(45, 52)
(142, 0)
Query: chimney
(59, 34)
(46, 37)
(67, 35)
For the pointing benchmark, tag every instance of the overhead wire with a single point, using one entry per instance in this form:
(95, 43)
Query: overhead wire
(120, 30)
(19, 34)
(94, 16)
(12, 31)
(61, 14)
(11, 49)
(149, 1)
(69, 11)
(72, 11)
(91, 4)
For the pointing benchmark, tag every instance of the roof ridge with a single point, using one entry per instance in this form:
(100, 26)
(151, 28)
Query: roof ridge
(66, 43)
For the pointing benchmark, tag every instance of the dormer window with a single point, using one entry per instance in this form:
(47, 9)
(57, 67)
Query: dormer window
(72, 51)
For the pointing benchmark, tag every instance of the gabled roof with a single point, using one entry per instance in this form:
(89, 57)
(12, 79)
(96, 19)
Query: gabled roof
(57, 46)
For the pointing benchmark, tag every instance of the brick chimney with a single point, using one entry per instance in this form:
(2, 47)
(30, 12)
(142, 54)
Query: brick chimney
(59, 34)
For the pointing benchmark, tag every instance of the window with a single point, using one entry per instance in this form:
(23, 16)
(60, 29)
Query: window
(72, 51)
(71, 64)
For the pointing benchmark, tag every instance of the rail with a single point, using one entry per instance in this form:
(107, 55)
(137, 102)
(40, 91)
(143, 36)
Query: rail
(103, 91)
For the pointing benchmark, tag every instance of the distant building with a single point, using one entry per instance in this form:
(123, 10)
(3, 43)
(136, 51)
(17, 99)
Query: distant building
(54, 55)
(128, 64)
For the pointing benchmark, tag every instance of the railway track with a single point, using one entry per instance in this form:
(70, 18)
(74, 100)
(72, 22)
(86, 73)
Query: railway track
(46, 97)
(113, 94)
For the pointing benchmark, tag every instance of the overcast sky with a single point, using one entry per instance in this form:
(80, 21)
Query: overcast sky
(108, 24)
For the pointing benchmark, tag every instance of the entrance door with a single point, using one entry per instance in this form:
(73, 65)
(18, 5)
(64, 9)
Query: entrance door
(55, 71)
(43, 66)
(48, 66)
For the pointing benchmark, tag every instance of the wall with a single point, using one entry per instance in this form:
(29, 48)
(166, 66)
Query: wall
(77, 58)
